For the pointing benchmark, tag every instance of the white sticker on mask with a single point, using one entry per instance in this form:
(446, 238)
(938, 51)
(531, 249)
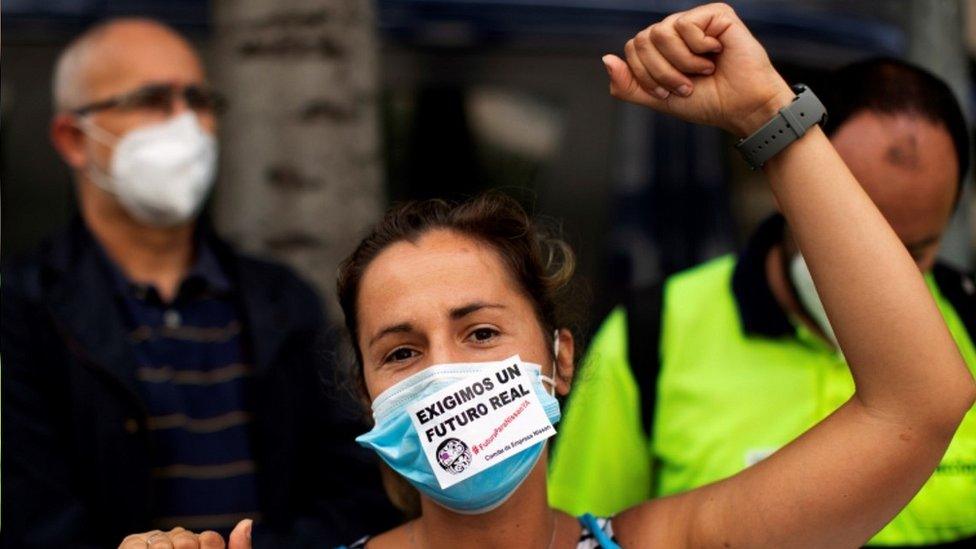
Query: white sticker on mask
(479, 421)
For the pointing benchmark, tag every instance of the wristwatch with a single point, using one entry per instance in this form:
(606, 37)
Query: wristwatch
(787, 126)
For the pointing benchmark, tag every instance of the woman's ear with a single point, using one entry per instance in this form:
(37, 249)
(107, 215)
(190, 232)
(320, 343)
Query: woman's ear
(564, 361)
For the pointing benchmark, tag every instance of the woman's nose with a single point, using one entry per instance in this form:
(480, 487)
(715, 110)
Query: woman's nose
(444, 350)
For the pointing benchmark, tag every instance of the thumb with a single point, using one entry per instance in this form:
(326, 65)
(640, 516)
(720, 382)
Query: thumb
(240, 537)
(624, 86)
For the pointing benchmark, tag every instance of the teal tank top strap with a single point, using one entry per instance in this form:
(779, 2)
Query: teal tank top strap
(592, 525)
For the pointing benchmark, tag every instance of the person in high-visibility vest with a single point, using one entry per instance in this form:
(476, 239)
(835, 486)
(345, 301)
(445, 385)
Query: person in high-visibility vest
(698, 377)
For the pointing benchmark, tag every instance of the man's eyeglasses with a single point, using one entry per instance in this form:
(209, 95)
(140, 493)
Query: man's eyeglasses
(159, 98)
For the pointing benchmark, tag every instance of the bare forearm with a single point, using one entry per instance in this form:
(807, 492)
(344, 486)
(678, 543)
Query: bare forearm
(840, 482)
(904, 361)
(843, 480)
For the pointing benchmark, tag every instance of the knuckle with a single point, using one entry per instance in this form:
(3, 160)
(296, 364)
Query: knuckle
(682, 23)
(211, 539)
(640, 39)
(657, 33)
(185, 540)
(130, 541)
(629, 47)
(725, 8)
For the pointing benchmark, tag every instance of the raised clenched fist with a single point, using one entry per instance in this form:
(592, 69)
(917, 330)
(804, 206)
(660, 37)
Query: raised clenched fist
(701, 65)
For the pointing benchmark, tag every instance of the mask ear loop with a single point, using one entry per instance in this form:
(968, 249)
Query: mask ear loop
(101, 177)
(96, 132)
(555, 356)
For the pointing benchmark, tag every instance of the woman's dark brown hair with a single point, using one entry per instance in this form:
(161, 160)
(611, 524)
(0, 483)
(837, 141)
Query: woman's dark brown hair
(539, 262)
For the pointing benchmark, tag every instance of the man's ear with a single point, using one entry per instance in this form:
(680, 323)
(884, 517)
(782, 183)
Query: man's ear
(69, 141)
(565, 367)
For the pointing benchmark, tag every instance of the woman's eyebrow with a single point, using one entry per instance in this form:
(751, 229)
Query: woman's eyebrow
(464, 310)
(403, 327)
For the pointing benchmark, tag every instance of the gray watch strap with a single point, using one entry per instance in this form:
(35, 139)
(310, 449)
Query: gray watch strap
(787, 126)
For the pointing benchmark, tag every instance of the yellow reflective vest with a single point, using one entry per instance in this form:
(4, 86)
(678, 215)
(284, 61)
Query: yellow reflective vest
(733, 386)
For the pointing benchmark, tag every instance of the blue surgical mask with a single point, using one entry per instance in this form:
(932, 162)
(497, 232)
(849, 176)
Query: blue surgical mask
(398, 444)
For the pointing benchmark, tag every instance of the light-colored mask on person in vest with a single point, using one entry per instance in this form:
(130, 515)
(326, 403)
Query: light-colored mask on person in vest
(809, 298)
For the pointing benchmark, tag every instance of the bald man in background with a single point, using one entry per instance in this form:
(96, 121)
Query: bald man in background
(152, 376)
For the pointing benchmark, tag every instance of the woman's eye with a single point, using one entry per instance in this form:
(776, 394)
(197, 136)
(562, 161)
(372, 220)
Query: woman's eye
(482, 335)
(401, 354)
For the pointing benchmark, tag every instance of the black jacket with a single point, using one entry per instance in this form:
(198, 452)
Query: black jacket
(76, 454)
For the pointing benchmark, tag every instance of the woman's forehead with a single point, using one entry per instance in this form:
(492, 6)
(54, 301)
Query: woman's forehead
(434, 273)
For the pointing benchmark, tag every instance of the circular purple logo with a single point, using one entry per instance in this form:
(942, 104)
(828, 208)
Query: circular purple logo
(454, 456)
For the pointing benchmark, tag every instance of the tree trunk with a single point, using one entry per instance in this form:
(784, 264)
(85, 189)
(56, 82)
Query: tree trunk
(301, 172)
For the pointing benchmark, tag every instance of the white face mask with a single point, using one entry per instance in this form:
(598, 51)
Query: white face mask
(807, 292)
(161, 174)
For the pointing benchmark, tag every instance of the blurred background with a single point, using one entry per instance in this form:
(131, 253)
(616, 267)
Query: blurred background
(337, 108)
